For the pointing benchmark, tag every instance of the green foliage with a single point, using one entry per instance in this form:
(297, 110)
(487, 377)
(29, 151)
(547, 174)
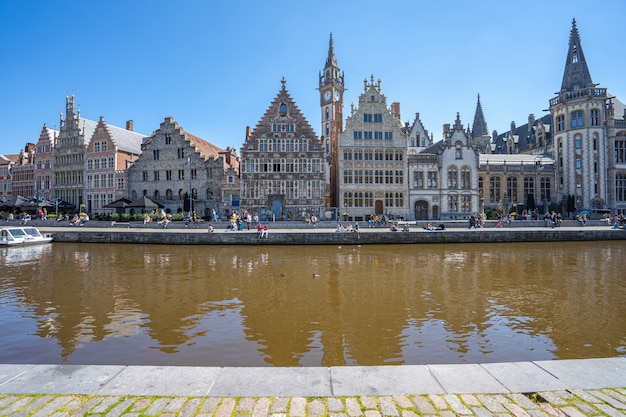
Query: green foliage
(114, 216)
(490, 214)
(125, 217)
(177, 216)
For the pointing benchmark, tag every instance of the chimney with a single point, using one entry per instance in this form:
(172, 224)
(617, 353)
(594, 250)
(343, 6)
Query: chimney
(129, 125)
(395, 109)
(248, 132)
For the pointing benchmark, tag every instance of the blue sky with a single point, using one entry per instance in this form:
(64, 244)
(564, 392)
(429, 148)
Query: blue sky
(216, 66)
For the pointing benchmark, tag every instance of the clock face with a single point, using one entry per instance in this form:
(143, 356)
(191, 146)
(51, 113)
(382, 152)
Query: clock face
(337, 95)
(327, 95)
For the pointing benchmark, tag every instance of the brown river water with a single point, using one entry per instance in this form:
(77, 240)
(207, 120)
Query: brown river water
(311, 305)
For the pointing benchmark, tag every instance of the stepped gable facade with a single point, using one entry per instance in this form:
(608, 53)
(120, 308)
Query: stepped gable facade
(87, 156)
(44, 160)
(372, 152)
(109, 151)
(282, 159)
(184, 172)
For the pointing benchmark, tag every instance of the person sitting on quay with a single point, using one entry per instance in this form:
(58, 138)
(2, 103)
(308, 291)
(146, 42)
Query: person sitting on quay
(259, 230)
(429, 226)
(265, 231)
(339, 228)
(164, 220)
(211, 230)
(25, 218)
(393, 227)
(406, 227)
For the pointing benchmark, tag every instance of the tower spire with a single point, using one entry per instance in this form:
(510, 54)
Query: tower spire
(331, 60)
(576, 75)
(479, 128)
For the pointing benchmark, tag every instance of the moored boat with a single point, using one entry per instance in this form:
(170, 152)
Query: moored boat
(22, 235)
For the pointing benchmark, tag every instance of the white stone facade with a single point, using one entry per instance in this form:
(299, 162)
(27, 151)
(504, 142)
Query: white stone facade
(372, 151)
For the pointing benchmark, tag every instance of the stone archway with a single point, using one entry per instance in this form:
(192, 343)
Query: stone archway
(378, 206)
(421, 210)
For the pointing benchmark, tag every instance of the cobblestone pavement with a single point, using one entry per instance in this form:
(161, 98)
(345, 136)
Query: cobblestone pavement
(572, 403)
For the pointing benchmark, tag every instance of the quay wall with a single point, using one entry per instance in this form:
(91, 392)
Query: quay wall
(329, 237)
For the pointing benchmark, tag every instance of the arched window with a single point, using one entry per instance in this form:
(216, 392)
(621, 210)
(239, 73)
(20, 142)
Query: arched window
(453, 177)
(157, 195)
(169, 195)
(511, 189)
(181, 194)
(494, 189)
(466, 178)
(458, 153)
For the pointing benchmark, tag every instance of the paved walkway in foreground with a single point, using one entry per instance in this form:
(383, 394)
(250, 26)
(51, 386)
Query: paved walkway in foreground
(542, 388)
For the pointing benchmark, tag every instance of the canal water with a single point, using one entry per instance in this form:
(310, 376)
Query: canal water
(311, 305)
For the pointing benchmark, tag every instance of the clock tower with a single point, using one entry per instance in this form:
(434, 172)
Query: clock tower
(331, 88)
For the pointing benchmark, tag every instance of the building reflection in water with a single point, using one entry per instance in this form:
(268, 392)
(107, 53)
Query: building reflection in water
(311, 306)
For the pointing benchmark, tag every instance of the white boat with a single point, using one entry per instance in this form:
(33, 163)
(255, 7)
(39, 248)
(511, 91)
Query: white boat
(22, 235)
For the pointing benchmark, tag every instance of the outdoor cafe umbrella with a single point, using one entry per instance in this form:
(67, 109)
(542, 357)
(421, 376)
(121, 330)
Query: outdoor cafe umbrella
(118, 205)
(145, 203)
(8, 203)
(122, 203)
(22, 203)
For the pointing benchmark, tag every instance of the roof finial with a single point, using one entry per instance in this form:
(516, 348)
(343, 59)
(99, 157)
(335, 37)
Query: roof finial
(283, 81)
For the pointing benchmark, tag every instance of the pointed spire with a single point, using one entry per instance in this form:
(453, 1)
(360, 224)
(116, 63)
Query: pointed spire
(576, 75)
(331, 61)
(479, 128)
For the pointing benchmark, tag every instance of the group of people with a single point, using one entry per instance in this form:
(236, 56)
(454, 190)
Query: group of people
(394, 227)
(347, 228)
(554, 219)
(79, 219)
(429, 226)
(379, 221)
(476, 221)
(262, 231)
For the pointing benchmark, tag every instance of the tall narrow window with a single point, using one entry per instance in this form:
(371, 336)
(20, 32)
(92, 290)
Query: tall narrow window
(577, 119)
(494, 189)
(560, 123)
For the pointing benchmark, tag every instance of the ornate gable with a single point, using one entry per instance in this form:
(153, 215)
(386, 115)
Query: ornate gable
(283, 119)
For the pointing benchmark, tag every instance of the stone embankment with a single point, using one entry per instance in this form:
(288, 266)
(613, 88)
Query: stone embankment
(291, 233)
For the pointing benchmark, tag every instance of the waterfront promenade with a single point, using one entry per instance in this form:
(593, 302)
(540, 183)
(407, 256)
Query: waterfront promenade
(298, 233)
(542, 388)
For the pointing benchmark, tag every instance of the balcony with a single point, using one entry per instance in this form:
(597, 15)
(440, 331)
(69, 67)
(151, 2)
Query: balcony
(565, 96)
